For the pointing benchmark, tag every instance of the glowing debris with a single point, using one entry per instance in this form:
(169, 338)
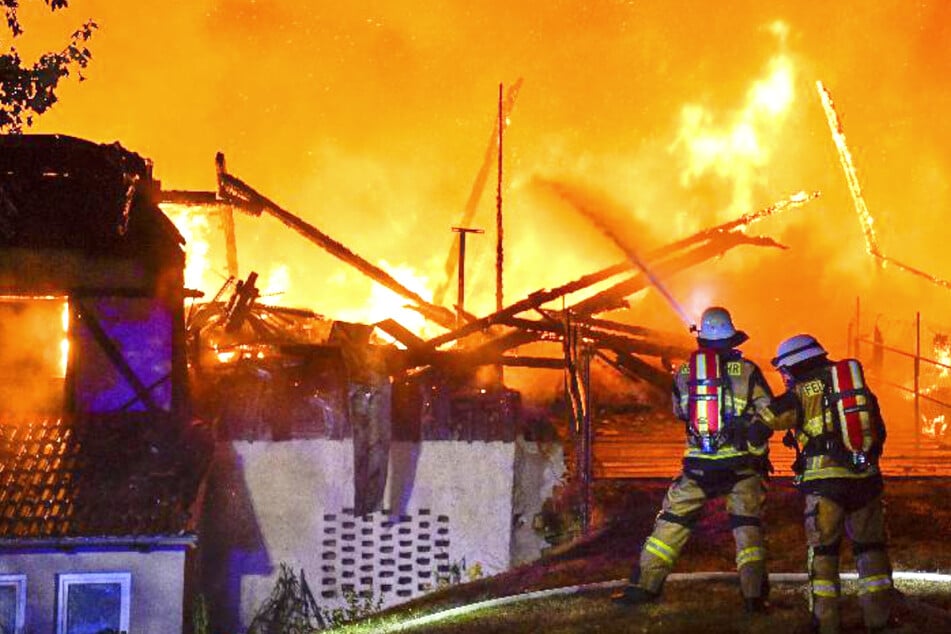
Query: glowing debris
(845, 157)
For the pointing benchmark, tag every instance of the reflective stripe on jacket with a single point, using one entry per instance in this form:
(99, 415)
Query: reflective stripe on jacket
(748, 393)
(802, 409)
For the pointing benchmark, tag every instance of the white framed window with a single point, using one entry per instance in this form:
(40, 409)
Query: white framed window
(12, 603)
(89, 602)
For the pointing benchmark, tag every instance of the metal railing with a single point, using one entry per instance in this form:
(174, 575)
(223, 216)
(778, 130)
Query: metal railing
(878, 348)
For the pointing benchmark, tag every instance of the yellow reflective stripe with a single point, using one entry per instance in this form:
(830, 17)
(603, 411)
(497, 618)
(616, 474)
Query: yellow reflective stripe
(821, 467)
(874, 583)
(750, 555)
(703, 426)
(726, 451)
(659, 549)
(814, 426)
(758, 451)
(825, 588)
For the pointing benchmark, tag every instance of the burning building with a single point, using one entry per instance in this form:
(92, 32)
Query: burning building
(117, 509)
(98, 464)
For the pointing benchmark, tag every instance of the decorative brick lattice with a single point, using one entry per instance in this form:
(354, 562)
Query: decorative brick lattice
(383, 555)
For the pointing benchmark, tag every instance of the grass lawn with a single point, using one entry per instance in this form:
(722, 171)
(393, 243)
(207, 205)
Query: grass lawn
(919, 521)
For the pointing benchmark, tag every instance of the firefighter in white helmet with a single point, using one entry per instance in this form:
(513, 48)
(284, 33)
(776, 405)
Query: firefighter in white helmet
(715, 394)
(834, 423)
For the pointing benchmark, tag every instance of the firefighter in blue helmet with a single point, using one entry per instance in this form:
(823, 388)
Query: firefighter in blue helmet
(833, 421)
(715, 394)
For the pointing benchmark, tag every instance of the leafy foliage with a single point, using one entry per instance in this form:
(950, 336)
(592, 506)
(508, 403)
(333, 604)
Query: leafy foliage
(30, 90)
(291, 608)
(200, 621)
(358, 606)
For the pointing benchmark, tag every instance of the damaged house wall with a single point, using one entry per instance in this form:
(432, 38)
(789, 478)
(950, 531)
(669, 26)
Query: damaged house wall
(454, 490)
(99, 478)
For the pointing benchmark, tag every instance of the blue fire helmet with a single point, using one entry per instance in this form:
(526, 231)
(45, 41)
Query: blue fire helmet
(796, 349)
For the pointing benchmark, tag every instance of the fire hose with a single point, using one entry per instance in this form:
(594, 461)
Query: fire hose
(776, 577)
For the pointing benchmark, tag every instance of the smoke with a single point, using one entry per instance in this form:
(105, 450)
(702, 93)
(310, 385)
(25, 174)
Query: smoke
(32, 359)
(369, 120)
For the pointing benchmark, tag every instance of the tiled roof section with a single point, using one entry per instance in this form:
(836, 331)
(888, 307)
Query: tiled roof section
(104, 479)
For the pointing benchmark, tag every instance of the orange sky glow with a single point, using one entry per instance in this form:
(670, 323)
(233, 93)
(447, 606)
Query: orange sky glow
(370, 120)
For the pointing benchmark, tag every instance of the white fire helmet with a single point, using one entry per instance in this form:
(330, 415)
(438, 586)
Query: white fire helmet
(796, 349)
(716, 328)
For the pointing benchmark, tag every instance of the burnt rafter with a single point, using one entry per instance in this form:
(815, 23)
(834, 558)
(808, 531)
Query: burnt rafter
(472, 202)
(239, 194)
(713, 242)
(628, 343)
(613, 297)
(527, 331)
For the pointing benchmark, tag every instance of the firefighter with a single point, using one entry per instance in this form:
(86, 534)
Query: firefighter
(715, 394)
(838, 474)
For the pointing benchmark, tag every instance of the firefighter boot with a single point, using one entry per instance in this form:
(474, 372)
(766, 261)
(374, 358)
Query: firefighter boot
(755, 605)
(633, 596)
(867, 528)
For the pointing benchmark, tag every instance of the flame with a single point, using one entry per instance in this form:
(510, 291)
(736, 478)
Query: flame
(64, 342)
(736, 151)
(942, 354)
(277, 282)
(195, 229)
(385, 304)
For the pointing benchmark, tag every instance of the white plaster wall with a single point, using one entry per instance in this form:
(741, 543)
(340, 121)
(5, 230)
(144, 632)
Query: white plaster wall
(291, 485)
(540, 467)
(157, 585)
(472, 483)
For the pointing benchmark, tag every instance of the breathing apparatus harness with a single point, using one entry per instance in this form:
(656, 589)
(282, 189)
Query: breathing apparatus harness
(851, 432)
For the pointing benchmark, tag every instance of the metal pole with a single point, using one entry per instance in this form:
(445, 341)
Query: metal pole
(498, 214)
(461, 298)
(588, 436)
(461, 293)
(917, 381)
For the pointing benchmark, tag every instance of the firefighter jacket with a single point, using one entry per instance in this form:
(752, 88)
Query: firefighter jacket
(803, 408)
(748, 393)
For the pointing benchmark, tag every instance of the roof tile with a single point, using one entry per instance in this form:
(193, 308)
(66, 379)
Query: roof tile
(121, 479)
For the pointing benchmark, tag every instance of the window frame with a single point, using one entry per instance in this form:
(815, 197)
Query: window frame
(18, 581)
(66, 580)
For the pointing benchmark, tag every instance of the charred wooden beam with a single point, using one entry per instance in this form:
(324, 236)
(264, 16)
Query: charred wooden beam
(718, 242)
(630, 329)
(475, 193)
(114, 354)
(609, 298)
(541, 363)
(402, 334)
(464, 361)
(633, 366)
(603, 339)
(189, 197)
(528, 330)
(241, 195)
(538, 298)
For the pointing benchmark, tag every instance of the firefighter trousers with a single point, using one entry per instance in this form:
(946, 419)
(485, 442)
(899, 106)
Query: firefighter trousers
(826, 521)
(745, 494)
